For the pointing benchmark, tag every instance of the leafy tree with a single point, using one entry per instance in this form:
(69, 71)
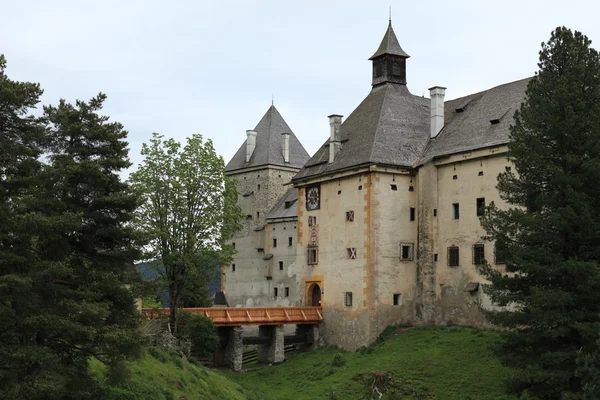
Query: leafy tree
(551, 296)
(189, 211)
(68, 252)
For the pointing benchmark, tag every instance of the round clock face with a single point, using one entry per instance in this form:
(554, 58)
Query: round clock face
(312, 198)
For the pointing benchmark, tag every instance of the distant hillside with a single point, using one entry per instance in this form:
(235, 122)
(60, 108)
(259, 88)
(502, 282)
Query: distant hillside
(419, 363)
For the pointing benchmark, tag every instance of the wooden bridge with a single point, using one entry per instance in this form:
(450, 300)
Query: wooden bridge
(233, 316)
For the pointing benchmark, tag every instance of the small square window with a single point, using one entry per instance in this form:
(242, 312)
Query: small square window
(348, 299)
(406, 251)
(274, 242)
(281, 265)
(455, 177)
(397, 299)
(350, 216)
(290, 240)
(480, 206)
(351, 253)
(480, 173)
(232, 267)
(275, 292)
(478, 253)
(360, 187)
(394, 186)
(453, 258)
(287, 292)
(413, 211)
(411, 188)
(455, 211)
(313, 255)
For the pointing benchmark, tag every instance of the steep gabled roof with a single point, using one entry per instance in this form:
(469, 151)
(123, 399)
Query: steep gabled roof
(389, 45)
(269, 145)
(390, 126)
(477, 121)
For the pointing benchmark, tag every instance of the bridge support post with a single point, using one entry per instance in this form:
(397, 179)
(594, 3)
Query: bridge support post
(312, 335)
(272, 352)
(235, 348)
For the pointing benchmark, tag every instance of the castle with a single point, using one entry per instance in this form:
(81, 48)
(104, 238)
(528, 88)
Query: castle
(381, 225)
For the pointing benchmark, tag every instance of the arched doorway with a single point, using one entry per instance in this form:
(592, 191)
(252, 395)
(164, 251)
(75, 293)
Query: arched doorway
(315, 296)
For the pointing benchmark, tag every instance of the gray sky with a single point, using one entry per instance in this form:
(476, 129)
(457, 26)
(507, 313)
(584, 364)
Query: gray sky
(210, 67)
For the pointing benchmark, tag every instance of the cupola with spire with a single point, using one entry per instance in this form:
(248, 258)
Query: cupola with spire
(389, 61)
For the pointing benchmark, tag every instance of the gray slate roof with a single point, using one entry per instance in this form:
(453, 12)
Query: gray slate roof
(390, 126)
(471, 129)
(269, 145)
(280, 211)
(389, 45)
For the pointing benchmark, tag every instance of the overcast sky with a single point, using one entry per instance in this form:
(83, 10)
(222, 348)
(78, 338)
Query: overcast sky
(211, 67)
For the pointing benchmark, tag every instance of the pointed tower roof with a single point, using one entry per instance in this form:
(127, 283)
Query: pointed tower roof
(389, 45)
(269, 145)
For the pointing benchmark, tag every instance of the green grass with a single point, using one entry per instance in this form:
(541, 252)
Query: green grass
(423, 363)
(162, 375)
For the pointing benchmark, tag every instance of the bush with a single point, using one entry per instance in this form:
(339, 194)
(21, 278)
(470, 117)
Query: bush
(201, 332)
(338, 360)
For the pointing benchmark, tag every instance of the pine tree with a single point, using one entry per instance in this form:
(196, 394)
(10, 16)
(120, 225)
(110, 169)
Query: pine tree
(68, 299)
(550, 297)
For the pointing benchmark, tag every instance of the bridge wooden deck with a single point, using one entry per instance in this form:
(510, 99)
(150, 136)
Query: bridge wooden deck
(233, 316)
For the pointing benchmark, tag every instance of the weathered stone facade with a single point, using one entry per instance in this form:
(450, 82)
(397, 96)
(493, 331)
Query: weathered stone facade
(381, 225)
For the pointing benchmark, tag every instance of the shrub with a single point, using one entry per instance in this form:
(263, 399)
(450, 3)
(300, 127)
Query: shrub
(201, 332)
(338, 360)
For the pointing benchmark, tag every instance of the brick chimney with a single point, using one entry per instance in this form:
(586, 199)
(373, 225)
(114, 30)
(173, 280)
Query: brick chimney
(437, 94)
(250, 144)
(335, 140)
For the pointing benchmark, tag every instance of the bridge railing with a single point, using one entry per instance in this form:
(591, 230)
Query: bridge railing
(235, 316)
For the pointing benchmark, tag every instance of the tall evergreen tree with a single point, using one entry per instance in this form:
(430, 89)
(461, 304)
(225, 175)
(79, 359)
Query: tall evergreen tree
(70, 300)
(551, 295)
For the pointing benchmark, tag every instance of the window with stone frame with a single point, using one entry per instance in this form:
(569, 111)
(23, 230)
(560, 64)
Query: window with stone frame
(351, 253)
(500, 252)
(407, 251)
(350, 216)
(312, 221)
(455, 211)
(312, 255)
(478, 253)
(480, 206)
(348, 299)
(453, 256)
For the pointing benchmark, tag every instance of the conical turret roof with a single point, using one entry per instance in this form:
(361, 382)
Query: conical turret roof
(389, 45)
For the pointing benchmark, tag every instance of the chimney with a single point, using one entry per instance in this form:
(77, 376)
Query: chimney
(286, 147)
(250, 144)
(335, 121)
(437, 94)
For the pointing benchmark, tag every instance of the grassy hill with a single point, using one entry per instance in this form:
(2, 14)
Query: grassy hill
(162, 375)
(418, 363)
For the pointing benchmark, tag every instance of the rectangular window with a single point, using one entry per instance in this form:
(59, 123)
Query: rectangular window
(500, 252)
(412, 213)
(275, 292)
(233, 245)
(480, 206)
(435, 212)
(312, 221)
(397, 299)
(435, 257)
(351, 253)
(281, 265)
(274, 242)
(455, 211)
(287, 292)
(478, 253)
(290, 240)
(453, 256)
(258, 214)
(313, 255)
(232, 267)
(406, 251)
(348, 299)
(350, 216)
(259, 186)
